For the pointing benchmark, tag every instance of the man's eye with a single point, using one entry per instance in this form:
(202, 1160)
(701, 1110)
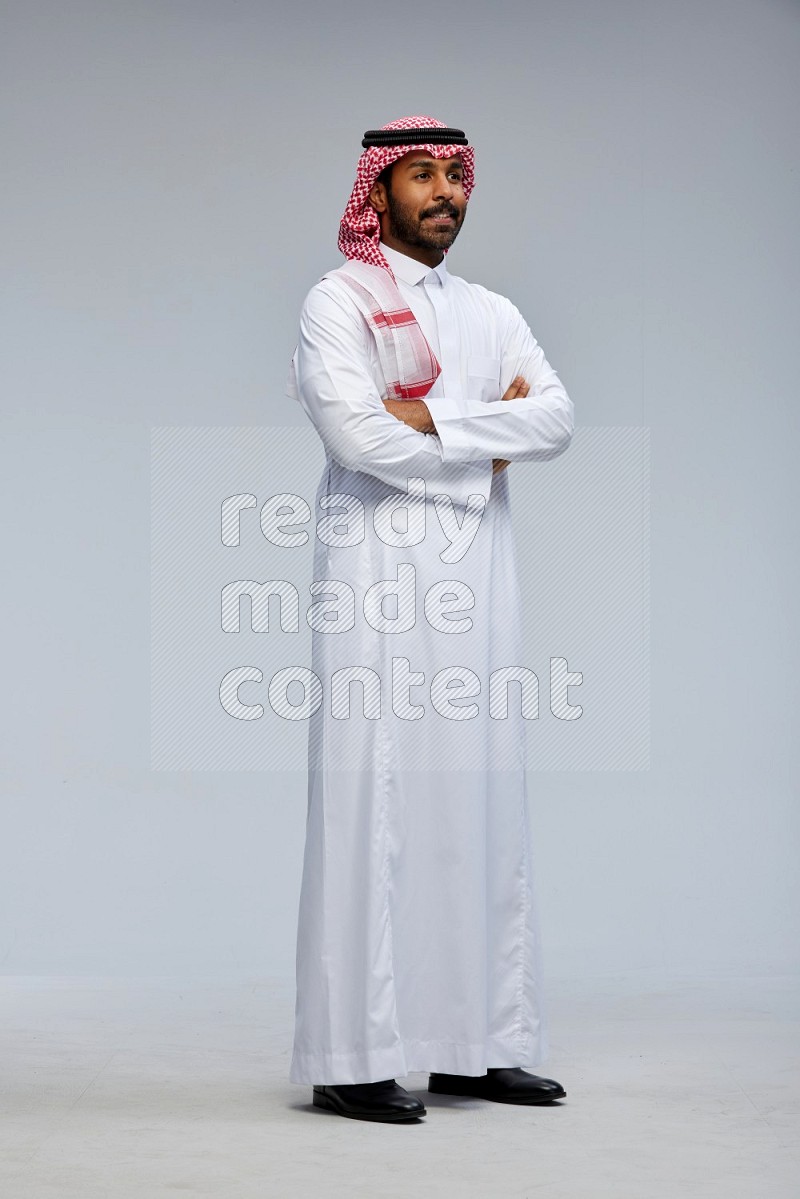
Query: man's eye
(456, 175)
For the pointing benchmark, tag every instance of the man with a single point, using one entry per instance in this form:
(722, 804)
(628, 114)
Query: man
(417, 943)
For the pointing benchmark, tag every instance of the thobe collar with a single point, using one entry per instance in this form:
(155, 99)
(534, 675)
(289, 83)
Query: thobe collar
(410, 270)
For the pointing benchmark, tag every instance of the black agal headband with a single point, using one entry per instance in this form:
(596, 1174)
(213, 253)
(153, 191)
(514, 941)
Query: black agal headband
(422, 135)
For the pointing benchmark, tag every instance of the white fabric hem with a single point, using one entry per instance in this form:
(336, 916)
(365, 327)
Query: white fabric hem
(441, 1057)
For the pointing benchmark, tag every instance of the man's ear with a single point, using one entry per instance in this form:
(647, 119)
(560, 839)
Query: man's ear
(377, 197)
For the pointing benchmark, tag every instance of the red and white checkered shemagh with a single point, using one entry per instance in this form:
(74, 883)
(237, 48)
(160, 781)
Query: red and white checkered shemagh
(409, 364)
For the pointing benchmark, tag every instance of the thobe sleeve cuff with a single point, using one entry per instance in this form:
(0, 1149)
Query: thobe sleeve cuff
(471, 476)
(457, 446)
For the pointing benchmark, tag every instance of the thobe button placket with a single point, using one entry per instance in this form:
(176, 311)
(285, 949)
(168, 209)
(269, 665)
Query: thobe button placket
(448, 334)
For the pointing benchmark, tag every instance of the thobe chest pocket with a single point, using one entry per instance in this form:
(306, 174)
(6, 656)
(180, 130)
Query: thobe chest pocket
(483, 377)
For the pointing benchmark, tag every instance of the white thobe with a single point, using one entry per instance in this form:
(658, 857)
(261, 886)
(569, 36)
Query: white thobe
(417, 939)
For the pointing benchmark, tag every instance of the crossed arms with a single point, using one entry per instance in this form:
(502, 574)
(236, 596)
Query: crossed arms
(417, 414)
(455, 445)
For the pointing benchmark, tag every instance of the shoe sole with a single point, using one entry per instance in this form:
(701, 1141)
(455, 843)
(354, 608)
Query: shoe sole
(527, 1101)
(324, 1101)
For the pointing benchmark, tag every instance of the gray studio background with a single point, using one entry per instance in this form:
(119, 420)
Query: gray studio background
(174, 175)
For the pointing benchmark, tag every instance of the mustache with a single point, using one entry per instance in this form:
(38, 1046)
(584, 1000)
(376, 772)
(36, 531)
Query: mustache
(449, 211)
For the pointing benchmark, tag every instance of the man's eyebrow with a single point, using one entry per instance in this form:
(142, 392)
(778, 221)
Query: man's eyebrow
(429, 162)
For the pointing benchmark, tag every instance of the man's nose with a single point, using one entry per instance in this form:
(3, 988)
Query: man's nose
(443, 188)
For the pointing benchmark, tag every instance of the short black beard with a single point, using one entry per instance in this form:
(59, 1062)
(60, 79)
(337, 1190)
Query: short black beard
(408, 229)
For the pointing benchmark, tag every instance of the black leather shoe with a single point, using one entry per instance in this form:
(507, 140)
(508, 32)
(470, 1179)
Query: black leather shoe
(503, 1085)
(384, 1101)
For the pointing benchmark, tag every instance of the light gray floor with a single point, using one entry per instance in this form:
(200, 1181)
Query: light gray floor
(158, 1087)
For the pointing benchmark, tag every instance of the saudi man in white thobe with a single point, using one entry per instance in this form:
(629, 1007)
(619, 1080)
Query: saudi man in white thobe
(417, 943)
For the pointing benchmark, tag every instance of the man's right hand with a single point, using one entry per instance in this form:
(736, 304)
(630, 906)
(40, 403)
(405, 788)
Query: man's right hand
(517, 390)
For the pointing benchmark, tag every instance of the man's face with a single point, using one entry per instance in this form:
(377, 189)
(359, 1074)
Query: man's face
(425, 205)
